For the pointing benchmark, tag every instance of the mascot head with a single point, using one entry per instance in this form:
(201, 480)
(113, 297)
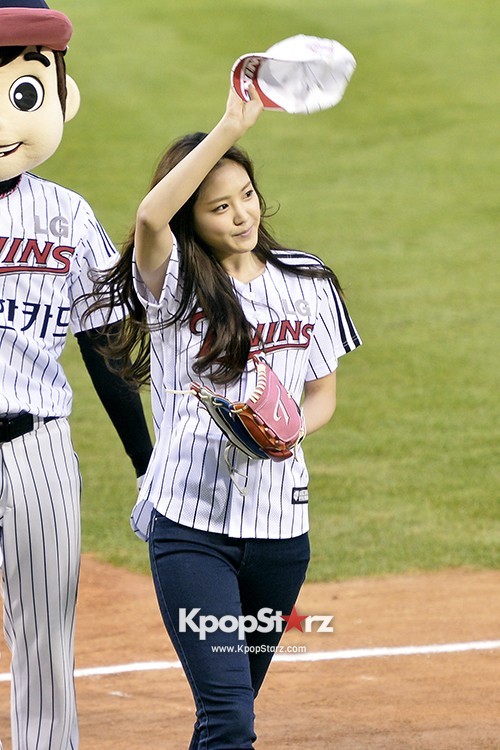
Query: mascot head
(36, 95)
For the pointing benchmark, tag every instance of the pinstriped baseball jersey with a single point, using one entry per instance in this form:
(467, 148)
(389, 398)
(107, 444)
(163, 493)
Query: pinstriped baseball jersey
(302, 327)
(49, 241)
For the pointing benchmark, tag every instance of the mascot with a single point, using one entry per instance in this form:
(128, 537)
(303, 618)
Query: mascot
(50, 242)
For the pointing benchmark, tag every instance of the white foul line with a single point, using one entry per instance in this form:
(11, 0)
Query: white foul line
(357, 653)
(369, 653)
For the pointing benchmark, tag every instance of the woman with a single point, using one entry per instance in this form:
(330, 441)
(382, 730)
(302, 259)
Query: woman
(206, 280)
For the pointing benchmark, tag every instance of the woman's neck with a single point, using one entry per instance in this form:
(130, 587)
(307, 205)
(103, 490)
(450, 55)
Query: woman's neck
(244, 268)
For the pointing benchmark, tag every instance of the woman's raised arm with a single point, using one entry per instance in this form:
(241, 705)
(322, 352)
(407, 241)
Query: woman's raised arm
(153, 239)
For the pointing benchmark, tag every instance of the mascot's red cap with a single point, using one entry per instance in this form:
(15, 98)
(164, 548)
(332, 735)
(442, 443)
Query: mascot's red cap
(30, 23)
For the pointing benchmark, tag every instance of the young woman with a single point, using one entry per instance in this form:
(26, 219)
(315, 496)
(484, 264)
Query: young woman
(205, 279)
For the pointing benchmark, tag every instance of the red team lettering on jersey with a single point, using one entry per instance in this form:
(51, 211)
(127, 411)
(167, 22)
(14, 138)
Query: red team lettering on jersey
(268, 337)
(20, 255)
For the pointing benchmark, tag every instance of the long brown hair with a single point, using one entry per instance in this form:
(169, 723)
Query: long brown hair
(205, 286)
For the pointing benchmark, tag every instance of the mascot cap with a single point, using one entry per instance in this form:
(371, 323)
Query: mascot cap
(299, 74)
(27, 23)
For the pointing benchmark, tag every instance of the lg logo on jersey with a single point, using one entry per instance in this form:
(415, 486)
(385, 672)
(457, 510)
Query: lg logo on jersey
(58, 226)
(300, 307)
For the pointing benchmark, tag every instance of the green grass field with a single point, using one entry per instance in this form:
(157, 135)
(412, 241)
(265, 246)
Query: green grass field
(396, 188)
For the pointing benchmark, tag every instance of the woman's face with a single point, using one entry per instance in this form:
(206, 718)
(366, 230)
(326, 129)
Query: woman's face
(227, 211)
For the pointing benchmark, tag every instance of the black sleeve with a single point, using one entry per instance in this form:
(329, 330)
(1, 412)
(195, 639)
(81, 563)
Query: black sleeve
(122, 403)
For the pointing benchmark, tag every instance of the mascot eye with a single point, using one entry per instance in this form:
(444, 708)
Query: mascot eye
(26, 94)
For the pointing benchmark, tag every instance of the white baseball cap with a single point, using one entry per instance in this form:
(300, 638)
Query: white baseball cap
(300, 74)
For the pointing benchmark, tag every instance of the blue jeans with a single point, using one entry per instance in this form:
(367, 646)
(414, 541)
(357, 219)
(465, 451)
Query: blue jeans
(204, 580)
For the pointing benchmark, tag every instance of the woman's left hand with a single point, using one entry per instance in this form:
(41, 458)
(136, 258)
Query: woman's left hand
(320, 400)
(243, 114)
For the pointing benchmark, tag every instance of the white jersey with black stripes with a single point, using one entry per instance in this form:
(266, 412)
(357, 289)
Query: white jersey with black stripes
(302, 327)
(49, 241)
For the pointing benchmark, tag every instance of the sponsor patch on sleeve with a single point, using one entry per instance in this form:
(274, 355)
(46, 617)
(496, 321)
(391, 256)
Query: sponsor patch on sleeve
(300, 495)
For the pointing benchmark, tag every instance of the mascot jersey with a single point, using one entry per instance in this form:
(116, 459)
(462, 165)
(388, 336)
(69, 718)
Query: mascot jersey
(50, 240)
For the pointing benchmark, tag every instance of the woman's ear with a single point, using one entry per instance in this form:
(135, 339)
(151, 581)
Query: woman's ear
(72, 99)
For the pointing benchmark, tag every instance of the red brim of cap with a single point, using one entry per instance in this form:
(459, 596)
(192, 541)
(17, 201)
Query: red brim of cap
(27, 27)
(245, 71)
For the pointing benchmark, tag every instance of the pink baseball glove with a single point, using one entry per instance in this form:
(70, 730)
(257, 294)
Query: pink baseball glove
(269, 424)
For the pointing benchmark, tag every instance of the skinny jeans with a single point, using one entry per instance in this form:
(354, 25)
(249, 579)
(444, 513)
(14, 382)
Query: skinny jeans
(224, 579)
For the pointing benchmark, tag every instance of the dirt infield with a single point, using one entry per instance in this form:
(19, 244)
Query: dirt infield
(362, 701)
